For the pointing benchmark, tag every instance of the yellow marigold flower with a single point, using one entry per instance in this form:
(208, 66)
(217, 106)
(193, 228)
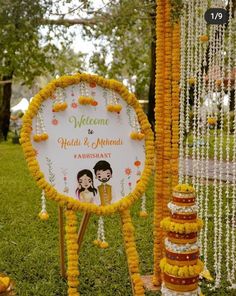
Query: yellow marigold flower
(85, 100)
(114, 108)
(40, 137)
(218, 82)
(104, 245)
(203, 38)
(44, 136)
(212, 121)
(96, 242)
(59, 106)
(206, 274)
(184, 188)
(36, 138)
(191, 81)
(137, 136)
(43, 215)
(4, 283)
(143, 214)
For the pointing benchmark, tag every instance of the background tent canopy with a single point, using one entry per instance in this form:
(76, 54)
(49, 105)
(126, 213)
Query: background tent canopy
(21, 106)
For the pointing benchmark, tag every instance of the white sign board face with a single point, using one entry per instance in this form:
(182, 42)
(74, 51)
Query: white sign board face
(89, 154)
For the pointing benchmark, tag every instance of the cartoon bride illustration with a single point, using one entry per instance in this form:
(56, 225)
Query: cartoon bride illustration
(86, 190)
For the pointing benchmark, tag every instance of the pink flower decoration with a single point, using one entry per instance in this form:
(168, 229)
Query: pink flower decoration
(55, 121)
(74, 105)
(128, 171)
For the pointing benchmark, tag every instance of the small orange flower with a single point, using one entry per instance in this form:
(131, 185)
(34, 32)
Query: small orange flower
(137, 163)
(92, 84)
(94, 103)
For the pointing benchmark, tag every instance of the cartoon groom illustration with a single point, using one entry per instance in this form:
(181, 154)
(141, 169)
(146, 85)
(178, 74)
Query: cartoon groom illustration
(103, 173)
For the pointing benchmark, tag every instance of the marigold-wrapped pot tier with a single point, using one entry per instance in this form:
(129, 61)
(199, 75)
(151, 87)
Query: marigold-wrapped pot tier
(180, 284)
(181, 266)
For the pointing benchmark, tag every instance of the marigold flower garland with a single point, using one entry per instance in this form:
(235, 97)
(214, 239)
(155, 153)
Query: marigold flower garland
(167, 187)
(167, 125)
(72, 253)
(159, 143)
(30, 154)
(131, 252)
(175, 102)
(181, 271)
(169, 225)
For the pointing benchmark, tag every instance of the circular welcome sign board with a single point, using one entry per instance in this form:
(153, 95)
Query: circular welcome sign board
(88, 143)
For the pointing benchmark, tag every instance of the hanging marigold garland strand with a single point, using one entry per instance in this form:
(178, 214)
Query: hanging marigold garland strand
(72, 255)
(167, 111)
(159, 130)
(131, 252)
(167, 121)
(175, 102)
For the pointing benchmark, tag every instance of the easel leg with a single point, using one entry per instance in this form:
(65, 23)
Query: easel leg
(132, 254)
(62, 241)
(82, 229)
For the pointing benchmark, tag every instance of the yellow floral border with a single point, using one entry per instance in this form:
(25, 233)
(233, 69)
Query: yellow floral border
(184, 188)
(168, 225)
(33, 164)
(182, 271)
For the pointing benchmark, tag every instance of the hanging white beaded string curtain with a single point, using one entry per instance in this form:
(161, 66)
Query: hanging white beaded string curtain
(194, 74)
(215, 176)
(204, 137)
(233, 248)
(183, 42)
(202, 127)
(215, 64)
(230, 240)
(227, 191)
(198, 105)
(189, 76)
(220, 157)
(209, 95)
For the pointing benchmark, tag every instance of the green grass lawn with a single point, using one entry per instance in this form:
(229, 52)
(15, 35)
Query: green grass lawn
(29, 249)
(212, 142)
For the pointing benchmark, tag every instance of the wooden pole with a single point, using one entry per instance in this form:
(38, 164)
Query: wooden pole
(82, 229)
(62, 241)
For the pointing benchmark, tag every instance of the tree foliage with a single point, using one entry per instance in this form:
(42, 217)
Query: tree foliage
(123, 43)
(26, 51)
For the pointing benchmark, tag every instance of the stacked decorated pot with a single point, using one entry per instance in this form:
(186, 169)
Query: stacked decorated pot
(181, 265)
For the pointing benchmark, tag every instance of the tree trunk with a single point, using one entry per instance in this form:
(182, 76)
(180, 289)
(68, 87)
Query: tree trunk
(151, 93)
(5, 107)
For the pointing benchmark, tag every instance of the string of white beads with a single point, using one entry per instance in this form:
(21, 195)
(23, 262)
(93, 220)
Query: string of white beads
(183, 78)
